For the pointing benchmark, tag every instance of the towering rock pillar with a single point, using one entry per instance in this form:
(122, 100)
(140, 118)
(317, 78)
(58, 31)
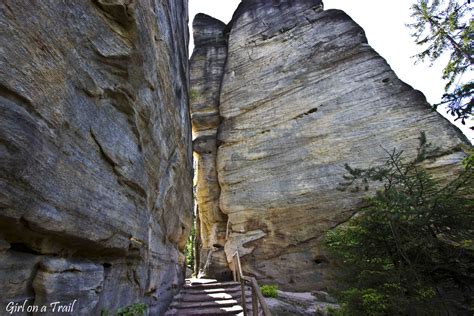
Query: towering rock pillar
(206, 71)
(302, 94)
(95, 153)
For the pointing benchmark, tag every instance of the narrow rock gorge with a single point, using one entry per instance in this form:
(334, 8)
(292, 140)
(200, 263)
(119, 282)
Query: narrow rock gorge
(101, 114)
(96, 159)
(206, 71)
(301, 94)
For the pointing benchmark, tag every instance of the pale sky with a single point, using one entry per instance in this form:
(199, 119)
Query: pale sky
(384, 24)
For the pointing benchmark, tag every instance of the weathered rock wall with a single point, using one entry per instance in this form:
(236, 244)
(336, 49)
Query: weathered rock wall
(302, 94)
(95, 143)
(206, 71)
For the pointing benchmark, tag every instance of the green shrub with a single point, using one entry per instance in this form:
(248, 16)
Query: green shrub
(269, 290)
(193, 95)
(137, 309)
(189, 247)
(408, 252)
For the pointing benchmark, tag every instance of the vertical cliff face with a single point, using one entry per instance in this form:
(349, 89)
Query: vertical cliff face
(206, 71)
(303, 94)
(95, 143)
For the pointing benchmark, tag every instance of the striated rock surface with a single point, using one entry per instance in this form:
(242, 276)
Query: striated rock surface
(206, 71)
(95, 152)
(62, 280)
(303, 94)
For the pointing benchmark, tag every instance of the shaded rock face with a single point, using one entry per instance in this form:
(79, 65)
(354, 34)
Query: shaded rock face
(302, 304)
(206, 71)
(95, 143)
(302, 95)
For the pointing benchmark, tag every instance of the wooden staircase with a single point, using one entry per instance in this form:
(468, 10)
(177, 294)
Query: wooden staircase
(209, 297)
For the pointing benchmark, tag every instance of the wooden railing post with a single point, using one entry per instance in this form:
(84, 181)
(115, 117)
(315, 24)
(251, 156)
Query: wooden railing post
(261, 299)
(242, 283)
(244, 301)
(256, 293)
(254, 302)
(234, 271)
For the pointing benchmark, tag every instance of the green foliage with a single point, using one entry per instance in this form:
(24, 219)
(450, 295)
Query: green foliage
(446, 26)
(189, 248)
(269, 290)
(469, 160)
(409, 251)
(137, 309)
(193, 95)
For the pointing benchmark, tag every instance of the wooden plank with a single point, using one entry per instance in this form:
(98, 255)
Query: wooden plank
(215, 303)
(206, 311)
(208, 296)
(210, 285)
(242, 294)
(200, 281)
(254, 303)
(216, 290)
(261, 299)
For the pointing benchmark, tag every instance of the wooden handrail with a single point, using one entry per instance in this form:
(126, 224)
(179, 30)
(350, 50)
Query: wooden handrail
(257, 296)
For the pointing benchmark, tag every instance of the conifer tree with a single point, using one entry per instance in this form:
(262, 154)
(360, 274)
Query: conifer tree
(447, 26)
(409, 250)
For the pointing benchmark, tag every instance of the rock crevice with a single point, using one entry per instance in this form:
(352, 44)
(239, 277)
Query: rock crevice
(206, 71)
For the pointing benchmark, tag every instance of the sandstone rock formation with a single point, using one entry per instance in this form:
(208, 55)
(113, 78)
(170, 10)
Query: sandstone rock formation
(206, 71)
(302, 94)
(95, 143)
(317, 303)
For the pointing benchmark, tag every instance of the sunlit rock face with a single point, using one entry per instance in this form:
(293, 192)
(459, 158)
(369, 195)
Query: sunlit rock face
(303, 94)
(206, 71)
(95, 143)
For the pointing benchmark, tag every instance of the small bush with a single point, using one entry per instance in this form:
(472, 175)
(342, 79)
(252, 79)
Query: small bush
(269, 290)
(193, 95)
(137, 309)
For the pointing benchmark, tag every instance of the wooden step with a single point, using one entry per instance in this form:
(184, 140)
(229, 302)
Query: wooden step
(210, 285)
(191, 309)
(199, 297)
(209, 297)
(200, 305)
(184, 303)
(190, 290)
(215, 290)
(233, 310)
(214, 303)
(200, 281)
(249, 312)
